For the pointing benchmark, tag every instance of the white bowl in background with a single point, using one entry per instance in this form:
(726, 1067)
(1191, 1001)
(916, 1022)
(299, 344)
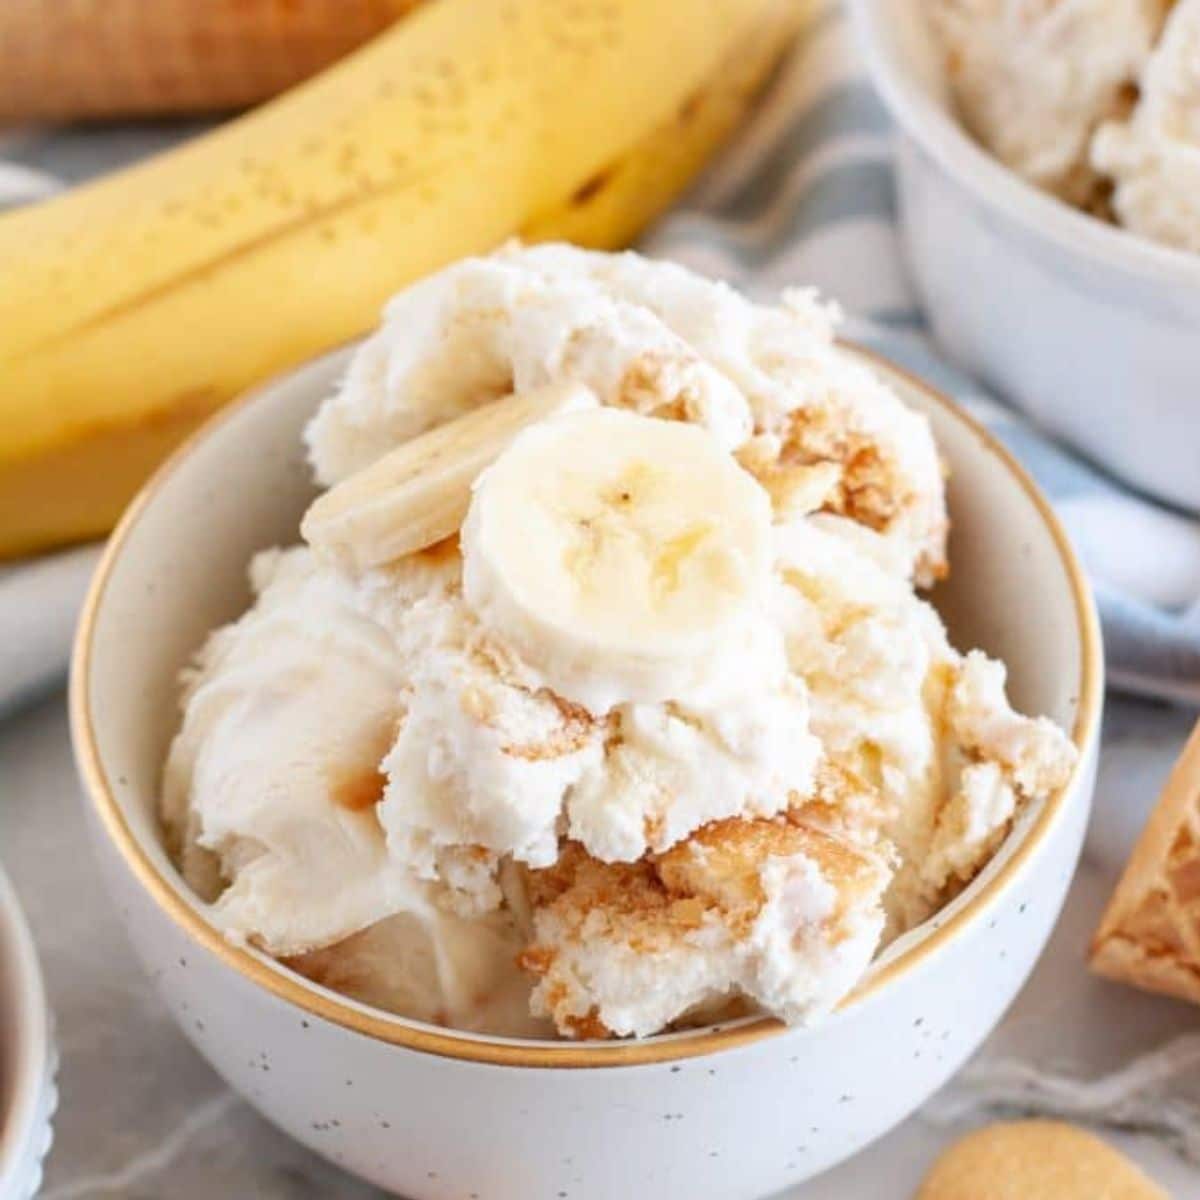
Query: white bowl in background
(1091, 329)
(28, 1094)
(739, 1110)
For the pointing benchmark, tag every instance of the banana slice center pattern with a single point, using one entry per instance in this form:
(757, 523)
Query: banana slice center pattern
(620, 554)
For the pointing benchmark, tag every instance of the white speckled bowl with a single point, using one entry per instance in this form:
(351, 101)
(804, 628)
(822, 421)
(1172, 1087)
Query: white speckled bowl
(1093, 330)
(28, 1094)
(735, 1111)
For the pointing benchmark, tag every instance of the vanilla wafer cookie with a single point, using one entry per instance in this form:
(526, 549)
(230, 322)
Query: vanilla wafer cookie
(1035, 1160)
(1150, 933)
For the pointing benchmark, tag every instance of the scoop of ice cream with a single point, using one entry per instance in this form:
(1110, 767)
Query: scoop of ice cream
(664, 342)
(270, 799)
(486, 327)
(485, 755)
(1153, 156)
(270, 785)
(893, 703)
(1032, 79)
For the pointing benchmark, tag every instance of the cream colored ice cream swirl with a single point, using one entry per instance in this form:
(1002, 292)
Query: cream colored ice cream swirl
(1153, 156)
(605, 656)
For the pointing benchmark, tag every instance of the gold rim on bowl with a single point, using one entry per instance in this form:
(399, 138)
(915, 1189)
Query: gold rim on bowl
(170, 894)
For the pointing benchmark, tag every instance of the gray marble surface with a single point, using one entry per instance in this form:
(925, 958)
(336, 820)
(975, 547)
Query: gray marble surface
(143, 1116)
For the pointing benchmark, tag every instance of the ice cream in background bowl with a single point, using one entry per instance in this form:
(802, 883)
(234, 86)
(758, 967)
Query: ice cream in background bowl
(1045, 170)
(403, 768)
(1094, 101)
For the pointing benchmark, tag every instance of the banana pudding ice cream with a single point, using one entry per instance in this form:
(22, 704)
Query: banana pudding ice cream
(1096, 101)
(1033, 79)
(600, 696)
(1153, 155)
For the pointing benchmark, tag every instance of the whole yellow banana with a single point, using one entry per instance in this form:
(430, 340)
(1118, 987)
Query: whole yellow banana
(131, 308)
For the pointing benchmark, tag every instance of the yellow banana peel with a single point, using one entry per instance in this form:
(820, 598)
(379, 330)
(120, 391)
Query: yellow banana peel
(133, 307)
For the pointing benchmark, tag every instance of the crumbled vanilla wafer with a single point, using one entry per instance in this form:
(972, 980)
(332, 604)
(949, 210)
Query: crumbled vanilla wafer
(779, 910)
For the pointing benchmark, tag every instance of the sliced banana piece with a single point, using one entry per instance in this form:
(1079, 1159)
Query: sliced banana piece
(418, 493)
(624, 557)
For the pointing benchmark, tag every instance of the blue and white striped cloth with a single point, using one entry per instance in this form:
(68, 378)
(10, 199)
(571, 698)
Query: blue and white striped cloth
(804, 195)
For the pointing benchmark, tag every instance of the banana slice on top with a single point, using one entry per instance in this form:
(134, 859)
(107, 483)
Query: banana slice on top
(418, 493)
(624, 557)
